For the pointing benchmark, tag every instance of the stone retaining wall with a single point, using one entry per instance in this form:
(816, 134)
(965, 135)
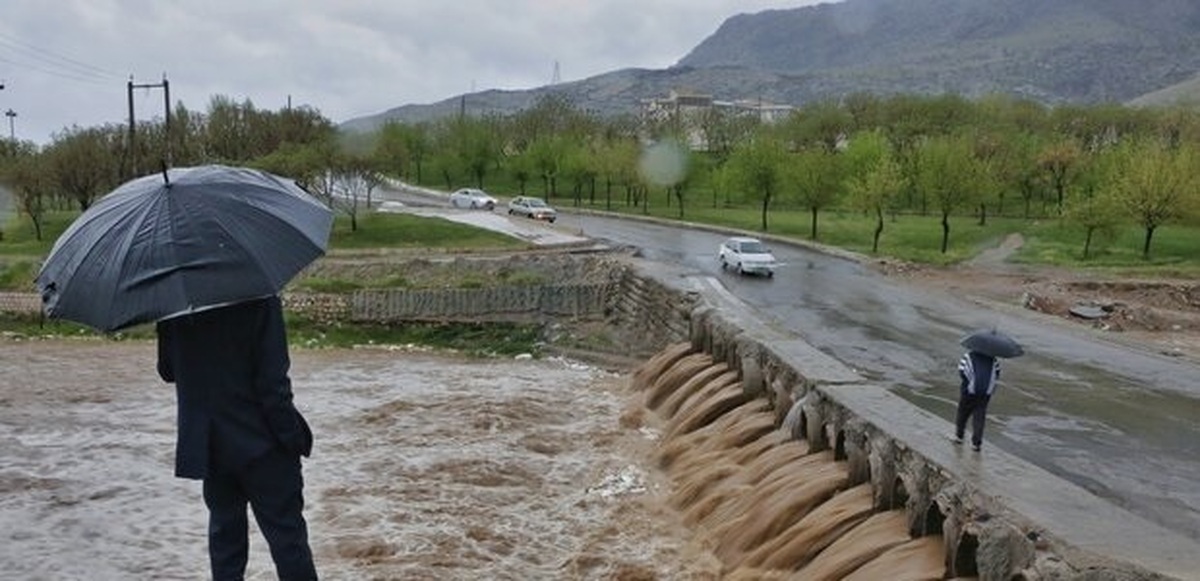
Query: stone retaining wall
(483, 304)
(25, 303)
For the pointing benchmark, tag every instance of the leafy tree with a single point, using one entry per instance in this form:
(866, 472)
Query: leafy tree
(391, 150)
(84, 163)
(354, 179)
(548, 155)
(1155, 184)
(824, 123)
(875, 179)
(951, 175)
(1058, 162)
(478, 146)
(1091, 203)
(757, 166)
(29, 178)
(815, 175)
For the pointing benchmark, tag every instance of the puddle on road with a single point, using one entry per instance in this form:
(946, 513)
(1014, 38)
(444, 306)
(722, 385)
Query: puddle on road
(425, 467)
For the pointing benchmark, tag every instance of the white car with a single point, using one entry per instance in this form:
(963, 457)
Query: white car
(535, 208)
(747, 256)
(472, 198)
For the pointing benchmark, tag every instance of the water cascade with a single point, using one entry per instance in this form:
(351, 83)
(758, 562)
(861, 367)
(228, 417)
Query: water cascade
(768, 505)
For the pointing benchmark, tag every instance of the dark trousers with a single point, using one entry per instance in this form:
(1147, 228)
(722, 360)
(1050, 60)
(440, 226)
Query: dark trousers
(273, 487)
(973, 406)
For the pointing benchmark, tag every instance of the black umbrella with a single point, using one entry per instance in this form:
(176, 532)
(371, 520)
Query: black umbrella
(992, 342)
(180, 241)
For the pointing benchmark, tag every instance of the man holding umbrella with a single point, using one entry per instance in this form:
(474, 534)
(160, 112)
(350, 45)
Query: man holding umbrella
(978, 372)
(204, 252)
(239, 431)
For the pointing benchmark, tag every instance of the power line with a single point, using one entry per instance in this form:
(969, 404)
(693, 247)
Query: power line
(52, 63)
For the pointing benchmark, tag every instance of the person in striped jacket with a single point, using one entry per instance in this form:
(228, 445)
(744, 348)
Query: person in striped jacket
(979, 374)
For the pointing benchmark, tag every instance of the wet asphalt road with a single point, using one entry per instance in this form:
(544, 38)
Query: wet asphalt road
(1118, 422)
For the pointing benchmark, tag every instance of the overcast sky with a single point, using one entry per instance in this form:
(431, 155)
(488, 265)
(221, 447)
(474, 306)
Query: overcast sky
(67, 62)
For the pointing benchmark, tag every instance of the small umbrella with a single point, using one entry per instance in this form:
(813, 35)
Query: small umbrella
(184, 240)
(992, 342)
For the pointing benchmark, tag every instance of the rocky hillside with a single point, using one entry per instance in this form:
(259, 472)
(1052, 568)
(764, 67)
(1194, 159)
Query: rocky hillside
(1050, 50)
(1053, 51)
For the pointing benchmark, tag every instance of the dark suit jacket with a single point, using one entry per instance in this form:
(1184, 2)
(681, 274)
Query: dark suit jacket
(230, 369)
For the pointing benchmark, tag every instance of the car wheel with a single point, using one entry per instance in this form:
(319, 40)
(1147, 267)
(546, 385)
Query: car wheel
(770, 274)
(739, 269)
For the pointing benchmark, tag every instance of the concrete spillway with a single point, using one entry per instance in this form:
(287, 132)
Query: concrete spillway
(790, 466)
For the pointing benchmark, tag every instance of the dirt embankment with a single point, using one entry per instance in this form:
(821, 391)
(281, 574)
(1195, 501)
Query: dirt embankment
(1161, 315)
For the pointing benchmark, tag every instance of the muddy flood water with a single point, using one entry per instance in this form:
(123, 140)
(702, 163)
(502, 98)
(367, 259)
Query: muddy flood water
(430, 466)
(425, 467)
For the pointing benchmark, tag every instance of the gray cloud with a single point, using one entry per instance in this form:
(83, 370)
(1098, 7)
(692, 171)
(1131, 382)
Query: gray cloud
(66, 62)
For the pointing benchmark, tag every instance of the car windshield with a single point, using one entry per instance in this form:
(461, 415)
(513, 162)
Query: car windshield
(753, 248)
(536, 203)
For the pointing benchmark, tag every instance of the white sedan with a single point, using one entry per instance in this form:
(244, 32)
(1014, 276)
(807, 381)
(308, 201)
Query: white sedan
(472, 198)
(747, 256)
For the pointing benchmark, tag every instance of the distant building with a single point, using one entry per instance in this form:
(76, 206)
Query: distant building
(691, 111)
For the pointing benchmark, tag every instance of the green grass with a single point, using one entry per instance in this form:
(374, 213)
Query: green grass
(29, 325)
(490, 340)
(20, 238)
(1174, 250)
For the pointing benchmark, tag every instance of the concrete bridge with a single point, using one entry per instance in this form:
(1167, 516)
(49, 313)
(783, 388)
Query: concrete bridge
(997, 516)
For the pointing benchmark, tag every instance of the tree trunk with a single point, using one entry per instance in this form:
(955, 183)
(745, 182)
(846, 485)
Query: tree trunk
(945, 231)
(766, 204)
(1087, 243)
(878, 230)
(813, 226)
(1146, 244)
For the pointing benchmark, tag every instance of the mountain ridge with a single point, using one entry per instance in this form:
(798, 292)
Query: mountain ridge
(1050, 51)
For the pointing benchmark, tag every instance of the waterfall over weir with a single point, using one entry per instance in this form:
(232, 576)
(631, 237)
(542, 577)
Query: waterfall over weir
(765, 504)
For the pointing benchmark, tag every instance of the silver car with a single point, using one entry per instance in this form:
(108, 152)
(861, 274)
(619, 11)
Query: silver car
(535, 208)
(472, 198)
(747, 256)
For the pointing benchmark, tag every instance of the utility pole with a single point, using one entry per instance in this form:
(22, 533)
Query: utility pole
(166, 87)
(12, 133)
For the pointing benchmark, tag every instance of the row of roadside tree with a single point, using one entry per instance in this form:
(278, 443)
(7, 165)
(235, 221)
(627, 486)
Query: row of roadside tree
(1097, 167)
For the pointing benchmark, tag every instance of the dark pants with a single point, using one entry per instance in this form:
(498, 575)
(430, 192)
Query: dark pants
(273, 487)
(973, 406)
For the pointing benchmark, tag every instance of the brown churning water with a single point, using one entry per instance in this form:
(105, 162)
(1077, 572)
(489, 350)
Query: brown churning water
(765, 504)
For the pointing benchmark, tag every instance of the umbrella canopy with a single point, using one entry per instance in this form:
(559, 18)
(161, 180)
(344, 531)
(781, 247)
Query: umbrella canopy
(179, 241)
(992, 342)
